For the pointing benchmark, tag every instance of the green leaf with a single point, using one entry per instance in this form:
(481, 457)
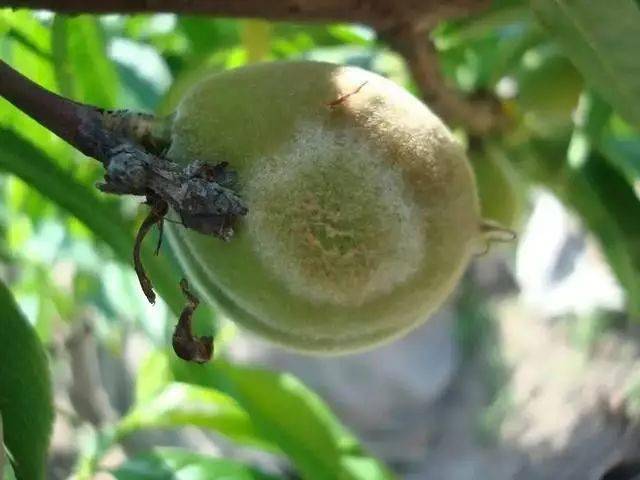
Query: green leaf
(83, 70)
(602, 39)
(26, 401)
(3, 454)
(8, 472)
(291, 416)
(170, 463)
(102, 217)
(256, 37)
(153, 376)
(624, 154)
(34, 167)
(181, 404)
(288, 414)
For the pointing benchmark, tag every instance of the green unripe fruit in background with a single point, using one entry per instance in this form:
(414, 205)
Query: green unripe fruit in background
(549, 89)
(500, 189)
(363, 210)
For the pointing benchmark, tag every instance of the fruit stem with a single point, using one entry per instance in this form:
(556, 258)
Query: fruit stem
(493, 232)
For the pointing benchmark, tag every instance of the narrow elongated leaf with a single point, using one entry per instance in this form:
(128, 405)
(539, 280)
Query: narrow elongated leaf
(153, 375)
(26, 402)
(288, 414)
(181, 404)
(3, 455)
(602, 39)
(624, 154)
(292, 416)
(83, 70)
(169, 463)
(33, 166)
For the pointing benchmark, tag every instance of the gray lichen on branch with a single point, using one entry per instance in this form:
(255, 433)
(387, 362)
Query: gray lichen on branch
(131, 148)
(200, 193)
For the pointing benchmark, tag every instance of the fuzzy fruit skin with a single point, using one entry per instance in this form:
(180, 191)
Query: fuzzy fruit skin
(362, 215)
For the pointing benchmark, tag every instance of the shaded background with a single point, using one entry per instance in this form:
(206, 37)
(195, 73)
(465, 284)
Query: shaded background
(528, 372)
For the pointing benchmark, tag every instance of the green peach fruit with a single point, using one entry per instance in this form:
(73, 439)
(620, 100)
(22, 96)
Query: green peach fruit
(363, 210)
(500, 188)
(549, 90)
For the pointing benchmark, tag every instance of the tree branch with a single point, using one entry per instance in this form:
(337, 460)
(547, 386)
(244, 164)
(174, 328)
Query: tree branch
(479, 116)
(377, 13)
(130, 146)
(58, 114)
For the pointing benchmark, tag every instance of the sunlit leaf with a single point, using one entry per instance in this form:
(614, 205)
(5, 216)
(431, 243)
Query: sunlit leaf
(288, 414)
(256, 38)
(601, 38)
(181, 404)
(153, 376)
(169, 464)
(26, 29)
(143, 72)
(26, 402)
(102, 217)
(83, 69)
(36, 66)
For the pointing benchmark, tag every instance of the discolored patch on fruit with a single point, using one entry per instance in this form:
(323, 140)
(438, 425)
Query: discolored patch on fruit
(352, 232)
(362, 212)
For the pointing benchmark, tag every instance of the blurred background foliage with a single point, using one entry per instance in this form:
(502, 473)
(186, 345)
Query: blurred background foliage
(572, 110)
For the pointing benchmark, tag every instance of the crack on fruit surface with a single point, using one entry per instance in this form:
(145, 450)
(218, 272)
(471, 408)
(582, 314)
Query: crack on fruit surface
(332, 219)
(343, 98)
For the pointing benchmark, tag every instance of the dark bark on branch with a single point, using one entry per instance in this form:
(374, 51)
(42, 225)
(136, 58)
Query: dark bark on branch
(58, 114)
(377, 13)
(479, 116)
